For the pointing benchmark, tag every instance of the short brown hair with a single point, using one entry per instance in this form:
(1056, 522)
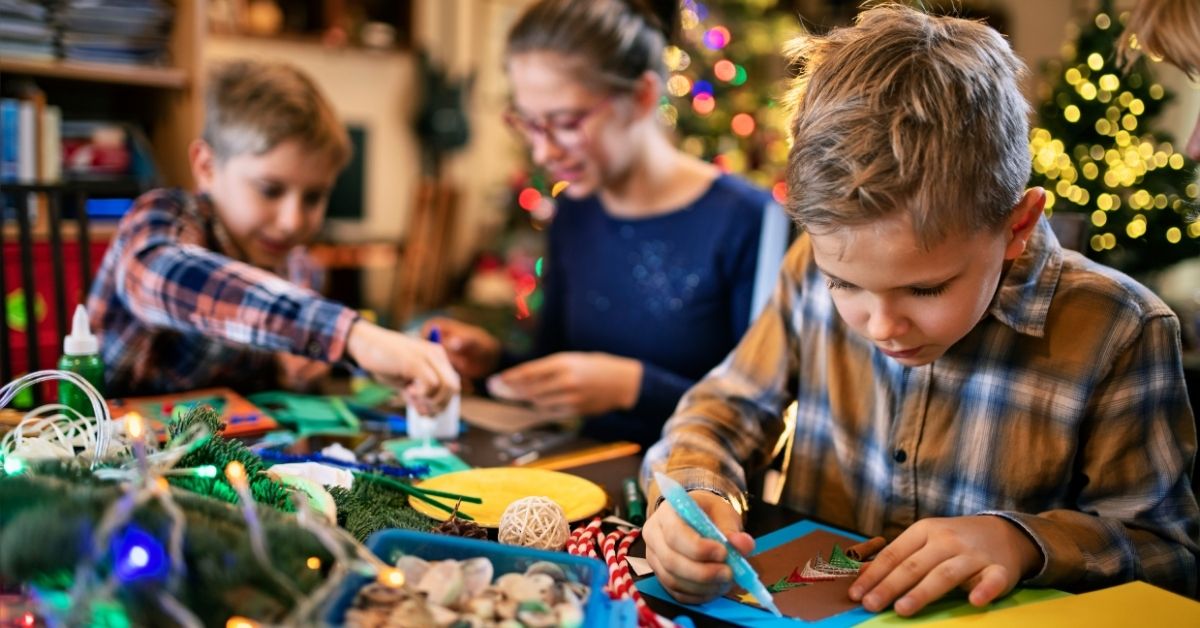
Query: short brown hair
(907, 112)
(253, 106)
(615, 41)
(1169, 29)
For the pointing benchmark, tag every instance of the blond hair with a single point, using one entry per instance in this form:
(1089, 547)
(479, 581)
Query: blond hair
(253, 106)
(1169, 29)
(907, 112)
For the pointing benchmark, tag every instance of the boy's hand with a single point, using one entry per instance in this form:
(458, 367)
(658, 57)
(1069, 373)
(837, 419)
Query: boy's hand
(575, 384)
(690, 567)
(298, 373)
(416, 367)
(473, 352)
(985, 555)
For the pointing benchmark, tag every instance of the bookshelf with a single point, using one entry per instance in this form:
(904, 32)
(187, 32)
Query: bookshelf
(164, 101)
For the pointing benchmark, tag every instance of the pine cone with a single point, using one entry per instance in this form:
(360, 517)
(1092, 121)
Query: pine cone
(454, 526)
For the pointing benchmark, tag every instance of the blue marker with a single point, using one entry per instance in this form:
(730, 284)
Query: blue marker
(690, 512)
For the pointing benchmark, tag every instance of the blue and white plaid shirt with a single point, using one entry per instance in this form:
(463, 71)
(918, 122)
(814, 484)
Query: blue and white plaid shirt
(1063, 410)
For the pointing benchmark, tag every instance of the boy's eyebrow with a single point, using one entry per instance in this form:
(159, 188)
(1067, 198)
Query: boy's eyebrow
(920, 284)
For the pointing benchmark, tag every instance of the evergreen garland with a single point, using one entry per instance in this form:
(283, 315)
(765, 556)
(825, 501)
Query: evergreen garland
(370, 507)
(219, 452)
(46, 527)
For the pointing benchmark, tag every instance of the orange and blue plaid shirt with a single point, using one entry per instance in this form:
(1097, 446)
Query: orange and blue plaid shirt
(174, 312)
(1064, 411)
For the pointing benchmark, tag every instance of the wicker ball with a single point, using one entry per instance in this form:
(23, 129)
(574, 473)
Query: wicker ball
(537, 522)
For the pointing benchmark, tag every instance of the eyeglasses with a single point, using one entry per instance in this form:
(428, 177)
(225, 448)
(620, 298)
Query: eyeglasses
(562, 128)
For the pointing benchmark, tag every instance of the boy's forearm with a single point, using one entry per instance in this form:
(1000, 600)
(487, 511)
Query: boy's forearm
(190, 289)
(1083, 551)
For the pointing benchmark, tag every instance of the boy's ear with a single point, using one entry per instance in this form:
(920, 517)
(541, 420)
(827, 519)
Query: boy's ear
(1024, 220)
(204, 163)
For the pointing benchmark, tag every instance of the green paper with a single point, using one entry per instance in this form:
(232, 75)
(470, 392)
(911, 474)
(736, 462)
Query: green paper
(954, 607)
(308, 414)
(437, 466)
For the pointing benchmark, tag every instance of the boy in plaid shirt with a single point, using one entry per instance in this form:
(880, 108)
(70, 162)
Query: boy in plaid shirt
(216, 288)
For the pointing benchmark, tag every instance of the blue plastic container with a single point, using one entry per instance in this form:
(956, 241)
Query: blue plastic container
(390, 545)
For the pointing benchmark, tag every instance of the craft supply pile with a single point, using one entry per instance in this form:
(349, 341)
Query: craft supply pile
(183, 525)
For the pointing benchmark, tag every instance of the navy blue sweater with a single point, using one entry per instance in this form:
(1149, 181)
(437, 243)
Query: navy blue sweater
(672, 291)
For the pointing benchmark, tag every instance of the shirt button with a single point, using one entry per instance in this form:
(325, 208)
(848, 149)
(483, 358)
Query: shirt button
(899, 456)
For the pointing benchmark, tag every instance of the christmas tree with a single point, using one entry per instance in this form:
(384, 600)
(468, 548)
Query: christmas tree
(1094, 152)
(726, 78)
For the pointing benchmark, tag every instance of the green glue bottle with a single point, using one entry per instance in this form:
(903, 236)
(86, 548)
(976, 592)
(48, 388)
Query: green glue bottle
(81, 355)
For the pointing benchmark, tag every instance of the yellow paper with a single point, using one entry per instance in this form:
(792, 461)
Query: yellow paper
(500, 486)
(1132, 604)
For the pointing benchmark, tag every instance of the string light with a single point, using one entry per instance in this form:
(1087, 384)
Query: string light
(313, 563)
(528, 199)
(391, 577)
(716, 37)
(704, 104)
(13, 465)
(240, 622)
(742, 124)
(558, 188)
(725, 70)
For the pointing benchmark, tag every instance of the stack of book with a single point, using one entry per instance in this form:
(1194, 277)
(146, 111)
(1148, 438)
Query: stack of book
(30, 141)
(116, 31)
(27, 29)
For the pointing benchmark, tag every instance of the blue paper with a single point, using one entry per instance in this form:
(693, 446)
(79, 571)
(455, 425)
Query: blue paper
(740, 614)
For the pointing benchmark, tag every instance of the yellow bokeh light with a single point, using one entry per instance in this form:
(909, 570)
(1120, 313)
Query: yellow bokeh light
(1157, 91)
(1174, 235)
(1103, 21)
(1192, 190)
(1129, 122)
(1175, 161)
(1090, 171)
(1109, 82)
(1099, 218)
(391, 577)
(1097, 243)
(678, 85)
(1135, 229)
(1050, 198)
(1110, 241)
(1073, 76)
(1104, 202)
(1137, 107)
(1095, 61)
(313, 563)
(1194, 230)
(1071, 113)
(1160, 201)
(1103, 127)
(1087, 90)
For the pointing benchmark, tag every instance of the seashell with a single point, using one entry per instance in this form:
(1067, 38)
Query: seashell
(443, 583)
(379, 594)
(569, 611)
(537, 615)
(483, 607)
(548, 568)
(442, 616)
(477, 575)
(411, 613)
(414, 568)
(546, 587)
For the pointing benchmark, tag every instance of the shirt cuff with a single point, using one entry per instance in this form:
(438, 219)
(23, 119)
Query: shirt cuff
(1061, 559)
(699, 480)
(324, 330)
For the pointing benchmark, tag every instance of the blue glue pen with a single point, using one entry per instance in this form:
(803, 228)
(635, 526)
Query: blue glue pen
(694, 516)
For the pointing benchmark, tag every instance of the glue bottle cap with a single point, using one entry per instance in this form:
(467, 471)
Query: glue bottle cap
(80, 341)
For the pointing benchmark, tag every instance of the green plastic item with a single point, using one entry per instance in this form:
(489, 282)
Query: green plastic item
(81, 355)
(308, 414)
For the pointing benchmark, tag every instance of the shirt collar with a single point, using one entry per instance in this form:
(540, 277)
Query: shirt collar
(1023, 300)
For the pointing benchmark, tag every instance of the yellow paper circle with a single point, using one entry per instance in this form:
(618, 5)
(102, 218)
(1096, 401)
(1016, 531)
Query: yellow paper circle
(500, 486)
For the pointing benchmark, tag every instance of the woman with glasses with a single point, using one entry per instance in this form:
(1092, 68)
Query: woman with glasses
(652, 254)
